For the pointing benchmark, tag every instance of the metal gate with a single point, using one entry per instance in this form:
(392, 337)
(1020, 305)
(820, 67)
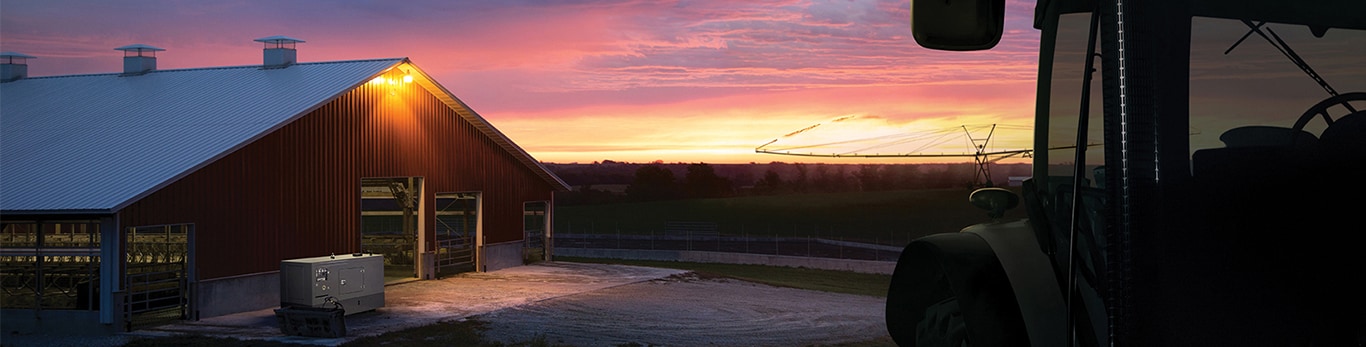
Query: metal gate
(156, 276)
(534, 225)
(457, 226)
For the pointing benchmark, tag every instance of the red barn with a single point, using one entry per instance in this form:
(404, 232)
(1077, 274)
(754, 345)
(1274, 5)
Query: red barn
(176, 193)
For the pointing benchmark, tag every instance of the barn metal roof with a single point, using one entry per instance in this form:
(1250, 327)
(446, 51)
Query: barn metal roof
(95, 143)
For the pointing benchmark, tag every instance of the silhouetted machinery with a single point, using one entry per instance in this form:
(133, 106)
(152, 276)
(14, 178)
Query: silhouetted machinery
(1161, 234)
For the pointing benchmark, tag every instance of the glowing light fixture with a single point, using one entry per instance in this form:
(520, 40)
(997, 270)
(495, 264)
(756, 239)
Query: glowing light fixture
(393, 78)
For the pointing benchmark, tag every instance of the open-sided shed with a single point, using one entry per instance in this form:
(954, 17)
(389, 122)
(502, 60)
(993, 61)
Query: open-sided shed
(178, 192)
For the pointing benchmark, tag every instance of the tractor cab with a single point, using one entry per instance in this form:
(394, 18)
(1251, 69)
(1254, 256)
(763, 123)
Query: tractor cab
(1198, 170)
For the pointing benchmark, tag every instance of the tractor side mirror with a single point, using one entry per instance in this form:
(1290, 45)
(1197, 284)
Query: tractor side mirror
(957, 25)
(995, 200)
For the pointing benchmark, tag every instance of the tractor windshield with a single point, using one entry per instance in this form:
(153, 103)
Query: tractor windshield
(1273, 111)
(1246, 77)
(1249, 77)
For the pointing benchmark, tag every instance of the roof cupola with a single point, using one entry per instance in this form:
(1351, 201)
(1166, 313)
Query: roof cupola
(139, 58)
(279, 51)
(13, 66)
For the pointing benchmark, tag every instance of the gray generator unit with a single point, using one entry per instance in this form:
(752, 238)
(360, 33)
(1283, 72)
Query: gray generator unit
(354, 281)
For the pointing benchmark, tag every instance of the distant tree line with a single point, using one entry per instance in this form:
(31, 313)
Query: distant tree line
(613, 182)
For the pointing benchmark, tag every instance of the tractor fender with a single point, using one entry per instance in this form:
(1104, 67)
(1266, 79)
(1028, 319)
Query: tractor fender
(989, 284)
(1031, 277)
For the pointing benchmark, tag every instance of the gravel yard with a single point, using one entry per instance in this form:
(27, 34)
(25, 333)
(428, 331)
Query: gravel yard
(685, 310)
(574, 304)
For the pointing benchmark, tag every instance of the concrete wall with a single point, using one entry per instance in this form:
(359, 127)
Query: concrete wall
(502, 255)
(215, 297)
(236, 294)
(861, 266)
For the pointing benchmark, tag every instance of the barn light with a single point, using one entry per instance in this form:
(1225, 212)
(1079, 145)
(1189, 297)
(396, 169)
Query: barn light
(393, 78)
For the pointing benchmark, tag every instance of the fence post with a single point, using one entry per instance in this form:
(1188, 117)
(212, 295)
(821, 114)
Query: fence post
(808, 238)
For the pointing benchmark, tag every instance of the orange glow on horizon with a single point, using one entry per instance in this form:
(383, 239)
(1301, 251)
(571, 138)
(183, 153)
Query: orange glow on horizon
(729, 129)
(584, 82)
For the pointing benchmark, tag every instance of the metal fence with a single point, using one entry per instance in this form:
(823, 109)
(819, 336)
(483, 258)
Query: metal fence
(776, 244)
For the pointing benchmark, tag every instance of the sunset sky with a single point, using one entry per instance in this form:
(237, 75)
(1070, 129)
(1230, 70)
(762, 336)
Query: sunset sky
(583, 81)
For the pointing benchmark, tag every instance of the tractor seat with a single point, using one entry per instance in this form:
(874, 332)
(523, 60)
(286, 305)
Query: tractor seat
(1267, 136)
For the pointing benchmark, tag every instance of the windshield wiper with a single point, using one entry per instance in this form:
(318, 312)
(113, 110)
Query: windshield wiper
(1276, 41)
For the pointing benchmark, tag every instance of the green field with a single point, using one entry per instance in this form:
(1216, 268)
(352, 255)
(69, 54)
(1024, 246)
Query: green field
(887, 217)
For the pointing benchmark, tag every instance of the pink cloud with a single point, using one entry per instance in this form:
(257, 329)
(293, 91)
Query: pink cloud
(657, 77)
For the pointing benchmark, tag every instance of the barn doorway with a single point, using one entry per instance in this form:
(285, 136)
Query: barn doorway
(158, 271)
(390, 223)
(457, 232)
(534, 226)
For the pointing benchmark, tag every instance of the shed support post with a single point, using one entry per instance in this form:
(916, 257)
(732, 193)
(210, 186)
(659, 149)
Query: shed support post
(110, 259)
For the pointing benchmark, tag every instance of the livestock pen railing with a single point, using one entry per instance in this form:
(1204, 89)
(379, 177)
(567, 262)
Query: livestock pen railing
(50, 265)
(49, 278)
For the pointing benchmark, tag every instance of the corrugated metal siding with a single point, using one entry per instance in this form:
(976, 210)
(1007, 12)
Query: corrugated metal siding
(295, 192)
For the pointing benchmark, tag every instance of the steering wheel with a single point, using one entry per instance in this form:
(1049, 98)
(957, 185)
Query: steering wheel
(1345, 136)
(1321, 109)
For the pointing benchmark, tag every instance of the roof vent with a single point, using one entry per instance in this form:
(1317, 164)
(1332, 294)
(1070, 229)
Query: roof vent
(279, 51)
(139, 58)
(13, 66)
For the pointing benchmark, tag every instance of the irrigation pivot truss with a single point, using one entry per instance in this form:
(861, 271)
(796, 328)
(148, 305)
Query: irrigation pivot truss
(978, 147)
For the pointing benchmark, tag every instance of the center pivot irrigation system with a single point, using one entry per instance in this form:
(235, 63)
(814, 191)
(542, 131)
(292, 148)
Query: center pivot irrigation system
(920, 141)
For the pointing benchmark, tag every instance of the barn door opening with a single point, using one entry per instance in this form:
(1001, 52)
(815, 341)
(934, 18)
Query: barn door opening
(157, 272)
(389, 223)
(534, 226)
(457, 229)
